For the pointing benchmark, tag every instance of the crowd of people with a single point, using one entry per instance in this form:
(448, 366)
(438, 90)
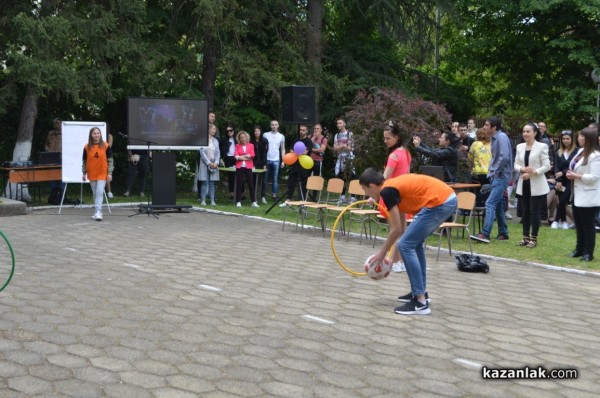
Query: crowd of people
(555, 184)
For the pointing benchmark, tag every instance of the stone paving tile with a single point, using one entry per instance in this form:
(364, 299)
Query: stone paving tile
(212, 305)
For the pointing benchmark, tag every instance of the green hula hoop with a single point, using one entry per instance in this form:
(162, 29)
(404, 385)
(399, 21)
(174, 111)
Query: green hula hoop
(12, 255)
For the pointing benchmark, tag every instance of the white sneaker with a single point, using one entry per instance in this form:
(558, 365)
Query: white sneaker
(238, 204)
(213, 203)
(554, 225)
(254, 204)
(508, 215)
(342, 200)
(565, 225)
(398, 267)
(264, 200)
(352, 199)
(97, 216)
(203, 203)
(142, 194)
(282, 204)
(110, 195)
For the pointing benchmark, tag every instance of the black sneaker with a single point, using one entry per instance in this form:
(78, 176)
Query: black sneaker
(407, 298)
(413, 308)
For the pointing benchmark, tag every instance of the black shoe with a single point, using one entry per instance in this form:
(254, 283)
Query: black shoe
(413, 308)
(407, 298)
(575, 253)
(586, 257)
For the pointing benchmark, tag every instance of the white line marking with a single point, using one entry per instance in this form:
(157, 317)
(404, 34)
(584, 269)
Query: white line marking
(468, 363)
(317, 319)
(71, 249)
(131, 265)
(211, 288)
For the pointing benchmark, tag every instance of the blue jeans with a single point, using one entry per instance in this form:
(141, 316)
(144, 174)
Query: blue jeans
(495, 207)
(207, 187)
(98, 194)
(411, 244)
(272, 172)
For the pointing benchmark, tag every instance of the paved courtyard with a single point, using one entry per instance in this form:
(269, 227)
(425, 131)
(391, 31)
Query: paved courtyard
(212, 305)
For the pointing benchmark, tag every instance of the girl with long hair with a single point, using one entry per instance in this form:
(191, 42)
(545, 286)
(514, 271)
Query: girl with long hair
(397, 163)
(584, 172)
(565, 154)
(97, 167)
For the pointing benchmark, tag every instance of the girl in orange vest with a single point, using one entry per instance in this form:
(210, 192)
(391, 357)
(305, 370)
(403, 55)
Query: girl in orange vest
(97, 167)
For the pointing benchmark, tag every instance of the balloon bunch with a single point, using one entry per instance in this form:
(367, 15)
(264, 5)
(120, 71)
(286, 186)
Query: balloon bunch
(297, 155)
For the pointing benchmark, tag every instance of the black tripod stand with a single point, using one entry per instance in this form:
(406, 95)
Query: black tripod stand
(148, 208)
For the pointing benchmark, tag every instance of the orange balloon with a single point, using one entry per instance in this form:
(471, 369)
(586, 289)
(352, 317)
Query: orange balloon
(290, 158)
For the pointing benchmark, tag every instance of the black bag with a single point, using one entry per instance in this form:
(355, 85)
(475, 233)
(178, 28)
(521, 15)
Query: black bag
(55, 196)
(470, 263)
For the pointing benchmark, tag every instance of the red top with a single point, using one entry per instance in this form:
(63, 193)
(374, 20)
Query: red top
(401, 165)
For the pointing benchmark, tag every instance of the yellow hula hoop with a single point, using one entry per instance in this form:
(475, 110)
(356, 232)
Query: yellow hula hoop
(333, 229)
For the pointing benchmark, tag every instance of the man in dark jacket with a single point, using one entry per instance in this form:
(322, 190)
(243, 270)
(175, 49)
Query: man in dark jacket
(445, 156)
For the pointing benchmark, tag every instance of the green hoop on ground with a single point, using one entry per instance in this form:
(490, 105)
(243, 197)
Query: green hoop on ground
(12, 255)
(334, 227)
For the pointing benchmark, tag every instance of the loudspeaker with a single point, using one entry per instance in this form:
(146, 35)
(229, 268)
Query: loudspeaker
(164, 171)
(298, 104)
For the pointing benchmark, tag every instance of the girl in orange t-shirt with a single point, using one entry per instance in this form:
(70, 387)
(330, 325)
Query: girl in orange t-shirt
(97, 167)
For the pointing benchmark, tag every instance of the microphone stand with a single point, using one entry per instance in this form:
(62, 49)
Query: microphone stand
(149, 210)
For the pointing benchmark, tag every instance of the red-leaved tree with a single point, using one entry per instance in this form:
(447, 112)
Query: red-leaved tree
(372, 110)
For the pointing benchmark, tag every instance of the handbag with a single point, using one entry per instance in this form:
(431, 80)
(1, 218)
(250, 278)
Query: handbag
(471, 263)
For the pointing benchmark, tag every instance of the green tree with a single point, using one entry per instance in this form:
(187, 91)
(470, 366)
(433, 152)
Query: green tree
(67, 49)
(530, 58)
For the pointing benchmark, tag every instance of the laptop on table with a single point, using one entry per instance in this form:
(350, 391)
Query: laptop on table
(49, 158)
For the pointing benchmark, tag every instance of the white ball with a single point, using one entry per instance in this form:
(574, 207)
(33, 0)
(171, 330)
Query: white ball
(377, 269)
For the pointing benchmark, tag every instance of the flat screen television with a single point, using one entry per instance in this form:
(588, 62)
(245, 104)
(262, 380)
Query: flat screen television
(167, 123)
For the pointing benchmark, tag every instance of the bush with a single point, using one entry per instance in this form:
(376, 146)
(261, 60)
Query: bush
(372, 110)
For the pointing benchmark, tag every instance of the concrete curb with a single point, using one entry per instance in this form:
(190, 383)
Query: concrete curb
(10, 207)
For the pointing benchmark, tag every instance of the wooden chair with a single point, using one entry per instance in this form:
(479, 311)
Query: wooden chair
(334, 189)
(334, 210)
(380, 221)
(314, 183)
(466, 202)
(365, 215)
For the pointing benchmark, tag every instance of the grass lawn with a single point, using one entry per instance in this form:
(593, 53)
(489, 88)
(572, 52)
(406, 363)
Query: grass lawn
(553, 247)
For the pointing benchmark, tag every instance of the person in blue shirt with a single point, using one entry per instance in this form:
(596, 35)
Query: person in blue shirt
(499, 174)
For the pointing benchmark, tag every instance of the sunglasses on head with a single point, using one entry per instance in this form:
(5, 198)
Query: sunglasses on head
(566, 132)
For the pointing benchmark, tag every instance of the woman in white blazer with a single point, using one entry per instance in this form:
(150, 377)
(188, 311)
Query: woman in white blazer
(584, 172)
(532, 162)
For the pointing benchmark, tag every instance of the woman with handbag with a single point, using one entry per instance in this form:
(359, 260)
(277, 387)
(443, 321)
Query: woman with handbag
(207, 167)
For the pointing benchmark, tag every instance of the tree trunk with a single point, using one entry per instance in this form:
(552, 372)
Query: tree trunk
(314, 47)
(314, 37)
(209, 69)
(22, 149)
